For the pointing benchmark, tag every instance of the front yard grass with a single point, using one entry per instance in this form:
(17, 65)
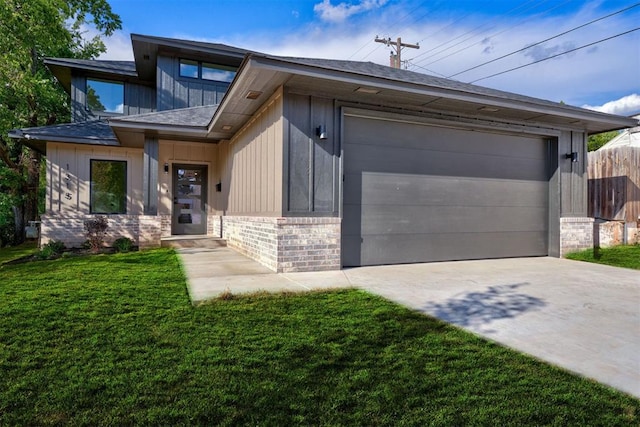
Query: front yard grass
(627, 256)
(113, 340)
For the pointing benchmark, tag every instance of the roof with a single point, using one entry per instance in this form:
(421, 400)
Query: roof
(61, 69)
(146, 48)
(627, 138)
(366, 83)
(188, 117)
(186, 123)
(93, 132)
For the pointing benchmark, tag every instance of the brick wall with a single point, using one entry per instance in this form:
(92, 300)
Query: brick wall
(612, 233)
(286, 244)
(576, 233)
(143, 230)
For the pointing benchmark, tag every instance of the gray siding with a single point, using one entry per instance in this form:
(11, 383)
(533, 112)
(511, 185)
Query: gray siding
(573, 192)
(180, 92)
(312, 163)
(138, 99)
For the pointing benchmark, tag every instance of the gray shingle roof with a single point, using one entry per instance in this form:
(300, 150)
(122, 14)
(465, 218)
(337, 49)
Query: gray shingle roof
(89, 132)
(406, 76)
(190, 117)
(113, 67)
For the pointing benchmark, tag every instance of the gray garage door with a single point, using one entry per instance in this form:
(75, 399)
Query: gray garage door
(416, 193)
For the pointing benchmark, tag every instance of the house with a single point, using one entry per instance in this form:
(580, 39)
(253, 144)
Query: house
(311, 164)
(614, 189)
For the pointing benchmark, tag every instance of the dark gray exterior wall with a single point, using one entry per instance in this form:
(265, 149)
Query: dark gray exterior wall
(138, 99)
(573, 175)
(182, 92)
(311, 185)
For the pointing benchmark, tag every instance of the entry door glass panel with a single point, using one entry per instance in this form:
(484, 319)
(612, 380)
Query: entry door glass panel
(189, 199)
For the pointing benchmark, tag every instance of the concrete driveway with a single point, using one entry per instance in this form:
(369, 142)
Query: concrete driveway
(583, 317)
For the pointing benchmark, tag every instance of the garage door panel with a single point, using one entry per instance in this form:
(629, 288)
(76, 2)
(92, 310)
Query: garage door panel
(390, 160)
(397, 135)
(386, 249)
(415, 193)
(387, 219)
(393, 189)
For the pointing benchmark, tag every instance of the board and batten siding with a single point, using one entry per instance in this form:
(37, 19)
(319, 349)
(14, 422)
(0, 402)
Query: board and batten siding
(312, 167)
(68, 176)
(251, 164)
(573, 175)
(182, 92)
(138, 99)
(185, 153)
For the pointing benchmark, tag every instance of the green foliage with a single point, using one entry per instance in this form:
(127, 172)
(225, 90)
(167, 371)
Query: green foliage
(123, 244)
(114, 341)
(627, 256)
(54, 247)
(95, 230)
(599, 139)
(31, 30)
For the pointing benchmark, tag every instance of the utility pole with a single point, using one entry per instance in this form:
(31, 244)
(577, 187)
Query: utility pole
(395, 60)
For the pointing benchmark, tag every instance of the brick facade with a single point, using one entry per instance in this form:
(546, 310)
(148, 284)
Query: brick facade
(576, 233)
(286, 244)
(143, 230)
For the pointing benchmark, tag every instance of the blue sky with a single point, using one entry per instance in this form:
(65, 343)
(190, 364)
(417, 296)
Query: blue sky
(454, 35)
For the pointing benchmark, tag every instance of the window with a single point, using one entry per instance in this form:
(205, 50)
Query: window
(108, 187)
(188, 68)
(217, 72)
(206, 71)
(105, 96)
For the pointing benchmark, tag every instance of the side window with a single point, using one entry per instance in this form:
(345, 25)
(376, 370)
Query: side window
(188, 68)
(217, 72)
(206, 71)
(108, 194)
(105, 96)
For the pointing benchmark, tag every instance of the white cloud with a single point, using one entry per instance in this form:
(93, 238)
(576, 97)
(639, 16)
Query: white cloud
(118, 47)
(342, 11)
(625, 106)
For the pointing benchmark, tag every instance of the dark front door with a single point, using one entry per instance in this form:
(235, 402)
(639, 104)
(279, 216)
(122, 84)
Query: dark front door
(189, 199)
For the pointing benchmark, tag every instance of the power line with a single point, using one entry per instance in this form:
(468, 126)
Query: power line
(393, 28)
(484, 25)
(556, 55)
(546, 40)
(494, 34)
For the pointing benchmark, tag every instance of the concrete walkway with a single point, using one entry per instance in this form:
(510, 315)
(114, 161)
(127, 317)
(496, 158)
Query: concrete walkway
(583, 317)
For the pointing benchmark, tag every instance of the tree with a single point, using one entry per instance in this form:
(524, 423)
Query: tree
(597, 140)
(31, 30)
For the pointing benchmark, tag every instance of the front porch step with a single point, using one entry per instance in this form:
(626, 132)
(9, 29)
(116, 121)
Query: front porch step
(179, 242)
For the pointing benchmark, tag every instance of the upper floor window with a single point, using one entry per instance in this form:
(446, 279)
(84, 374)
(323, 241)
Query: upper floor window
(106, 96)
(206, 71)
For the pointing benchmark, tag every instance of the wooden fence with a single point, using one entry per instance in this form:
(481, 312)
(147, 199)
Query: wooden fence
(614, 184)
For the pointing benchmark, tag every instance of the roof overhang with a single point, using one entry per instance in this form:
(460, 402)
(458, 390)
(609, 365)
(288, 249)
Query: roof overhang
(261, 74)
(61, 69)
(146, 49)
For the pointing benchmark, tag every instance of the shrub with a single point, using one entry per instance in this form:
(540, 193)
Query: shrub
(96, 229)
(123, 244)
(54, 247)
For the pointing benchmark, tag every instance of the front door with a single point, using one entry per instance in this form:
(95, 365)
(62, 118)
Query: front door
(189, 199)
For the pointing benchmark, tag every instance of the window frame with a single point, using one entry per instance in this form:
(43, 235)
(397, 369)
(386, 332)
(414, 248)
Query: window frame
(123, 201)
(103, 112)
(205, 64)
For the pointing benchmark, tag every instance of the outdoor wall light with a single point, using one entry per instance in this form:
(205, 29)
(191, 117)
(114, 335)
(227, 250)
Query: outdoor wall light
(166, 167)
(573, 156)
(321, 132)
(219, 187)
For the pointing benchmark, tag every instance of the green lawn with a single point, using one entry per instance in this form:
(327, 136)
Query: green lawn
(113, 340)
(13, 252)
(618, 256)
